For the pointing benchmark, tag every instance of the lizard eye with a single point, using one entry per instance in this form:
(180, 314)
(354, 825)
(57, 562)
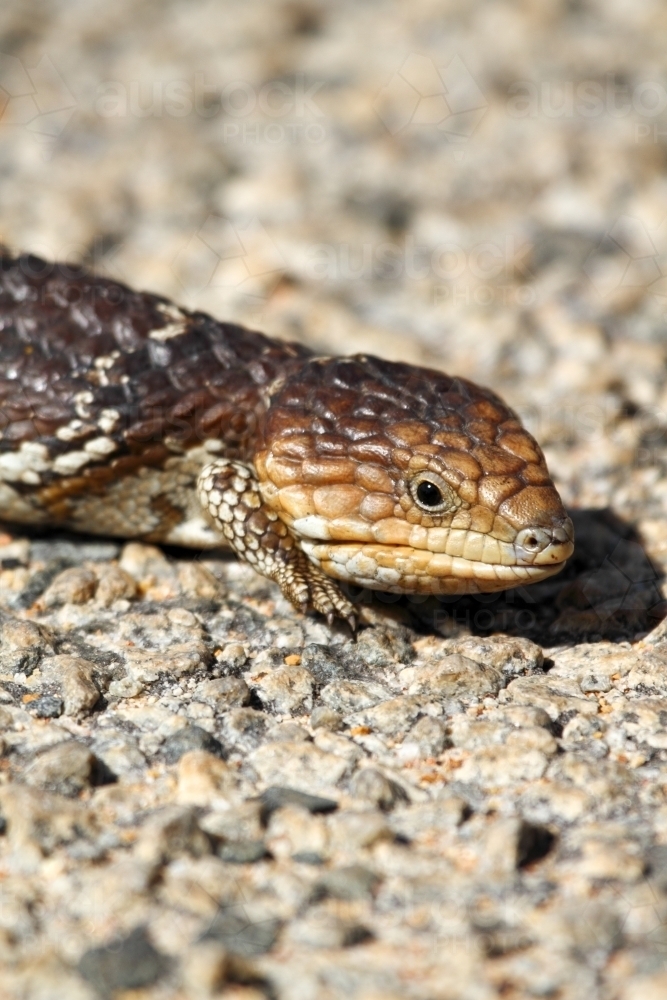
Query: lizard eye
(432, 493)
(428, 494)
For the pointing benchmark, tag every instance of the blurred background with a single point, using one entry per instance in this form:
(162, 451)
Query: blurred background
(477, 186)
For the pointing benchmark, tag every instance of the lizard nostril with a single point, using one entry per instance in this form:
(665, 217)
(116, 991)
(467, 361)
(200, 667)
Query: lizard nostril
(543, 544)
(533, 539)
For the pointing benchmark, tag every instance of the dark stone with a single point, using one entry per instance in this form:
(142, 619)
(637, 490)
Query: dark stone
(245, 727)
(49, 706)
(656, 866)
(39, 581)
(125, 964)
(11, 563)
(240, 935)
(534, 843)
(371, 785)
(498, 941)
(173, 831)
(23, 660)
(308, 858)
(191, 738)
(356, 934)
(101, 774)
(278, 796)
(242, 852)
(66, 769)
(562, 244)
(349, 883)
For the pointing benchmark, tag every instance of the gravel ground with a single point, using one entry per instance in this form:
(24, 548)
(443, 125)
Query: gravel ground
(204, 794)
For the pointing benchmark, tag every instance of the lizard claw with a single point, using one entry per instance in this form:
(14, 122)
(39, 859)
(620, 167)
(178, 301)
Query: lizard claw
(315, 589)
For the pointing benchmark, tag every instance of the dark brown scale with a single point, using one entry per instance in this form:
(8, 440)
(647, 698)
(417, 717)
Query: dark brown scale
(365, 396)
(57, 320)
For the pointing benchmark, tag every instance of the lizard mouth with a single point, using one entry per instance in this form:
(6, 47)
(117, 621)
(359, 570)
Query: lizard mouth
(402, 569)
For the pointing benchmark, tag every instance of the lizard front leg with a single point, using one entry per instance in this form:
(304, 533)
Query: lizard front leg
(229, 494)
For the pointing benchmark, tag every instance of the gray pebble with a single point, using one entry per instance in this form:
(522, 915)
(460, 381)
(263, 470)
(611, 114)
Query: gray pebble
(245, 728)
(308, 858)
(321, 929)
(453, 677)
(350, 696)
(49, 706)
(391, 717)
(288, 732)
(372, 786)
(66, 769)
(124, 964)
(430, 735)
(242, 934)
(324, 717)
(74, 552)
(169, 833)
(276, 797)
(348, 883)
(190, 738)
(76, 585)
(242, 852)
(22, 645)
(322, 663)
(382, 647)
(224, 693)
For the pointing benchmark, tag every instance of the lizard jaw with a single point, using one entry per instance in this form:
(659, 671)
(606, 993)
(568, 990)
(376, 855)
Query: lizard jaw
(401, 569)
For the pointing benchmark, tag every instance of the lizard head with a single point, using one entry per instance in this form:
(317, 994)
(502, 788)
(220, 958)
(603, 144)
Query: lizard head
(404, 479)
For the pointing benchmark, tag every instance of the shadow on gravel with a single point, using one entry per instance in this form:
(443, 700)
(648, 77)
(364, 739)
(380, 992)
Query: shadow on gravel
(609, 589)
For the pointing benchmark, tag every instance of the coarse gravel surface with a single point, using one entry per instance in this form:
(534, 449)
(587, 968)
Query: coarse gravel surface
(204, 794)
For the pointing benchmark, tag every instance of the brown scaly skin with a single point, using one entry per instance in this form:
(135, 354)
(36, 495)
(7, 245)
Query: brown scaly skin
(123, 414)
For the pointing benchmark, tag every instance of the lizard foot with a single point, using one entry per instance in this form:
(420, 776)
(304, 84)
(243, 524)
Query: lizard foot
(229, 494)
